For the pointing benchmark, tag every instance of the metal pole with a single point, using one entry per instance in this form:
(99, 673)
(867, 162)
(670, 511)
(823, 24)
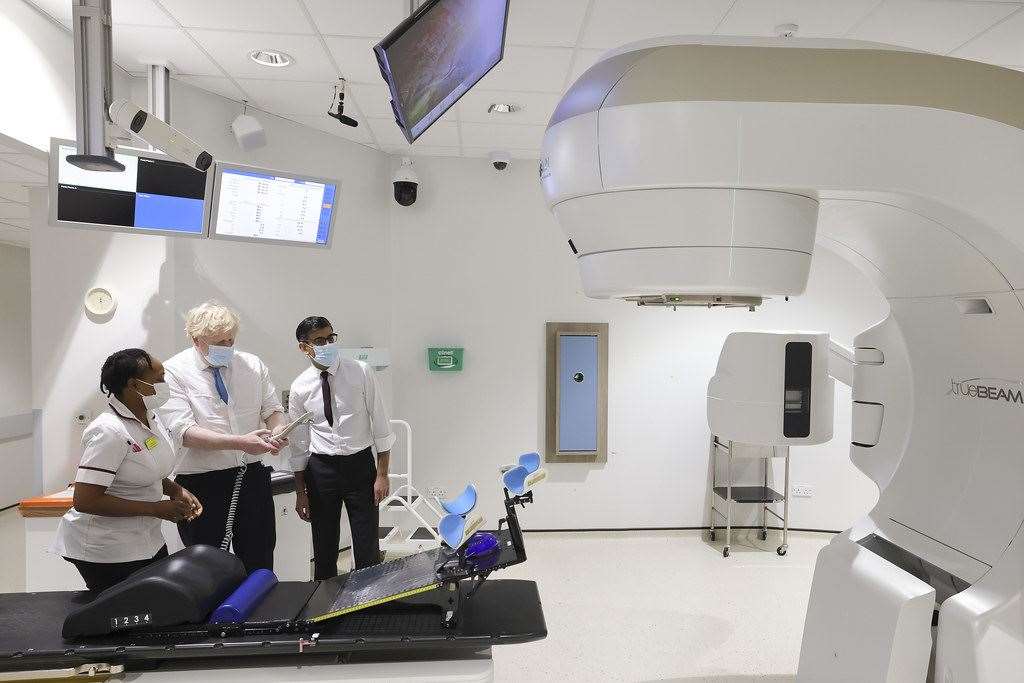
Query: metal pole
(785, 509)
(93, 85)
(728, 505)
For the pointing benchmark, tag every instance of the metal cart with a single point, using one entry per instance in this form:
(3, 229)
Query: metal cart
(762, 495)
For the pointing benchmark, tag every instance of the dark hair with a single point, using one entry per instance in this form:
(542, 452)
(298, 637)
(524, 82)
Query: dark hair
(121, 367)
(313, 322)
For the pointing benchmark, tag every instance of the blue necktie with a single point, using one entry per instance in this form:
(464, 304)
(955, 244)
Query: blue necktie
(219, 382)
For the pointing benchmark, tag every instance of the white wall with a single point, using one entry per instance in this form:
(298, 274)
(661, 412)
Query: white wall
(157, 279)
(479, 262)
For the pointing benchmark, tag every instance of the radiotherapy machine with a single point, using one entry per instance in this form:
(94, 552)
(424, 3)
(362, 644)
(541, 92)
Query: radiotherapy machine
(707, 171)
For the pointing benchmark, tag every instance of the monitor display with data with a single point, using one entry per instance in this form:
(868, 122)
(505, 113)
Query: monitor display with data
(260, 205)
(153, 194)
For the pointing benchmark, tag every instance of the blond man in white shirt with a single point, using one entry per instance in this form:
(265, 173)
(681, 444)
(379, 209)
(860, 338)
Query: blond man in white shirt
(334, 465)
(222, 411)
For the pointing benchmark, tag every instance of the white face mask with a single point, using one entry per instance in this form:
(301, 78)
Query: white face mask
(220, 356)
(325, 355)
(162, 394)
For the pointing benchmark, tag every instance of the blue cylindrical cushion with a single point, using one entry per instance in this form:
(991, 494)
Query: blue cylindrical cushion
(481, 543)
(246, 598)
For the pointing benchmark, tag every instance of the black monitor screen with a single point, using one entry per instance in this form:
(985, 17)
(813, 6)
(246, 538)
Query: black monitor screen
(435, 56)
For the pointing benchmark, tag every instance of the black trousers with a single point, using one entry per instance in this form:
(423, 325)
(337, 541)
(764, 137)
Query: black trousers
(255, 534)
(333, 482)
(100, 576)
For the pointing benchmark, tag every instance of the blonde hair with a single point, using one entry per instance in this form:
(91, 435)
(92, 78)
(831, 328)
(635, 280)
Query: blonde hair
(210, 319)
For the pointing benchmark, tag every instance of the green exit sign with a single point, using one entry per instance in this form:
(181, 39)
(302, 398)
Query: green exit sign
(444, 358)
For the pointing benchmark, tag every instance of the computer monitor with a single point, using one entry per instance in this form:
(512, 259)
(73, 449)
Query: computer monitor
(260, 205)
(153, 195)
(436, 55)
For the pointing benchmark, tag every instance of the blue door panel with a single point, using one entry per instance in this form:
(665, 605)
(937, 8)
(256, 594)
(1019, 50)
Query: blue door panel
(577, 393)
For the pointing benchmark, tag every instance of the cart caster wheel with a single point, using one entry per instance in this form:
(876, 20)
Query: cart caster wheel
(711, 536)
(725, 551)
(782, 550)
(764, 535)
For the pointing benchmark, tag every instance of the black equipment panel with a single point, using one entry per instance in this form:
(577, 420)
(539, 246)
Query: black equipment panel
(796, 412)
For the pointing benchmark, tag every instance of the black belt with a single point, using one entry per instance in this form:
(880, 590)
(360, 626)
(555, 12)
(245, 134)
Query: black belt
(366, 451)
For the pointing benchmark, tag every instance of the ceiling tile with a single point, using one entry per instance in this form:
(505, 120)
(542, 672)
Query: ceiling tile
(13, 192)
(12, 173)
(32, 163)
(932, 25)
(536, 108)
(137, 46)
(357, 17)
(218, 85)
(141, 12)
(543, 22)
(355, 58)
(289, 98)
(615, 22)
(534, 69)
(494, 136)
(818, 18)
(326, 124)
(417, 150)
(231, 50)
(584, 59)
(281, 16)
(1004, 44)
(12, 211)
(485, 152)
(441, 134)
(375, 101)
(14, 234)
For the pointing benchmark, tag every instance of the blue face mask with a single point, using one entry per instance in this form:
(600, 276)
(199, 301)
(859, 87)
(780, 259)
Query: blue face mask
(220, 356)
(325, 355)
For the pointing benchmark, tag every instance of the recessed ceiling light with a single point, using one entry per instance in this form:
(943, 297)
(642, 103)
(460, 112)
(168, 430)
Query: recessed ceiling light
(274, 58)
(503, 108)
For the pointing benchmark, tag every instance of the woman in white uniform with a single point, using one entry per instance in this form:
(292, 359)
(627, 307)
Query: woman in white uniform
(114, 527)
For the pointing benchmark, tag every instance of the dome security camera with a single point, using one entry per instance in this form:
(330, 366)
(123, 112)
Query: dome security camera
(500, 161)
(406, 183)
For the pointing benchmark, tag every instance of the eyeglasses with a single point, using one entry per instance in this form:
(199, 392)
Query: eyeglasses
(322, 341)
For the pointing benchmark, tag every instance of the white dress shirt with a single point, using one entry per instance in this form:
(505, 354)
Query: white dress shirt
(131, 461)
(360, 418)
(195, 402)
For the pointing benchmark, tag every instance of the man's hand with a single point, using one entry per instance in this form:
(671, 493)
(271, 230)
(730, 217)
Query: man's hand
(381, 488)
(302, 504)
(172, 510)
(187, 497)
(257, 442)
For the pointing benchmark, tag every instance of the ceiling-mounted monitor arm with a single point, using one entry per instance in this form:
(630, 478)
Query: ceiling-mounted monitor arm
(93, 89)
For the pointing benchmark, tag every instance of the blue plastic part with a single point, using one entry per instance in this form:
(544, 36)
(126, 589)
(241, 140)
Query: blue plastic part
(481, 543)
(531, 461)
(247, 597)
(515, 480)
(451, 527)
(463, 503)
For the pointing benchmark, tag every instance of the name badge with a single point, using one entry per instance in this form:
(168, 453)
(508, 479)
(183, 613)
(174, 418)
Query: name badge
(152, 443)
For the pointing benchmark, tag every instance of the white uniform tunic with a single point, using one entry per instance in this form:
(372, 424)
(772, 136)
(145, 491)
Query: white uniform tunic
(131, 461)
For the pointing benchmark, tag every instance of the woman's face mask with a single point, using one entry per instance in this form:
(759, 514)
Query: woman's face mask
(161, 394)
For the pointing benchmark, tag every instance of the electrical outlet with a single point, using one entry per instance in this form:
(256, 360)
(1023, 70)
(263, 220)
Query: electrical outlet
(437, 492)
(802, 491)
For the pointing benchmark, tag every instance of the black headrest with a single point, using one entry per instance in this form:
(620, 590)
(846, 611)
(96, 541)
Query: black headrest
(183, 588)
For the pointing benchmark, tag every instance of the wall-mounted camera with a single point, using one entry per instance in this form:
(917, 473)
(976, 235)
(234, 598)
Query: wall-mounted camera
(501, 161)
(406, 183)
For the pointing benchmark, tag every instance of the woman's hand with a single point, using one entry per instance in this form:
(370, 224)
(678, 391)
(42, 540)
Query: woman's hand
(302, 504)
(172, 510)
(194, 505)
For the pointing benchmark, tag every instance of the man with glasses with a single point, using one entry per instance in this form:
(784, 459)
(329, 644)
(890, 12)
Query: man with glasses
(334, 467)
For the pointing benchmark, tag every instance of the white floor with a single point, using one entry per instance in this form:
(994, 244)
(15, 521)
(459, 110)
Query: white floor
(664, 606)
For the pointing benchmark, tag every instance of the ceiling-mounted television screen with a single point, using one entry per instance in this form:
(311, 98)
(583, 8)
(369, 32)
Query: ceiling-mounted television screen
(259, 205)
(153, 194)
(436, 55)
